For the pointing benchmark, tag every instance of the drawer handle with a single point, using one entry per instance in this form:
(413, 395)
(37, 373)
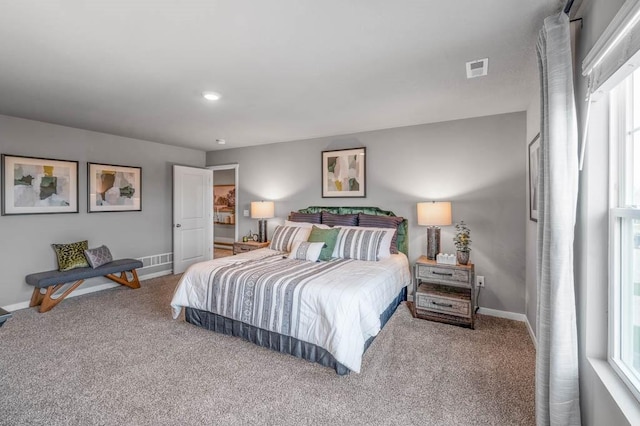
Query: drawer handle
(445, 305)
(446, 274)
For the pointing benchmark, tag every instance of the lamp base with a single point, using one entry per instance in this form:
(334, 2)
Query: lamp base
(262, 230)
(433, 242)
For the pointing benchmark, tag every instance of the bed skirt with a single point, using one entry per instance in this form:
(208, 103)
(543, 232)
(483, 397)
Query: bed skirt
(279, 342)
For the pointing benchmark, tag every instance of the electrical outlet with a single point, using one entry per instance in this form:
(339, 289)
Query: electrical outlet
(246, 213)
(479, 281)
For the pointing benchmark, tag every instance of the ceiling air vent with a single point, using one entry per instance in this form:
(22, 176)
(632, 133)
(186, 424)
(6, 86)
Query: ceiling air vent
(477, 68)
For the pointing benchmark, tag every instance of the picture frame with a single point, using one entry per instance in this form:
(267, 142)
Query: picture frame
(32, 185)
(224, 198)
(534, 172)
(344, 173)
(113, 188)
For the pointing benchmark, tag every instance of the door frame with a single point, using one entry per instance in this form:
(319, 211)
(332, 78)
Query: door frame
(236, 167)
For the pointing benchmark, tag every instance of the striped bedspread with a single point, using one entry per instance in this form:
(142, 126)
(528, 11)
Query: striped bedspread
(335, 305)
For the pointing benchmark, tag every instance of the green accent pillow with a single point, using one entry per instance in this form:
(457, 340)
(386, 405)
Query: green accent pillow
(326, 236)
(71, 256)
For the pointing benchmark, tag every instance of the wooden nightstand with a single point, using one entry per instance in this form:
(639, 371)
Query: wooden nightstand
(444, 293)
(241, 247)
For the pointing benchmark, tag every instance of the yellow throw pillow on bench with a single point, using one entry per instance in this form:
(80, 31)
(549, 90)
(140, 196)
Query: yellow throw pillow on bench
(71, 256)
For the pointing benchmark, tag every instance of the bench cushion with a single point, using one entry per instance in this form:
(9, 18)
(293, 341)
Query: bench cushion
(49, 278)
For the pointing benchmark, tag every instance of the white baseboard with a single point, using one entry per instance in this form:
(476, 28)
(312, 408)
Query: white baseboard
(80, 291)
(532, 334)
(512, 316)
(502, 314)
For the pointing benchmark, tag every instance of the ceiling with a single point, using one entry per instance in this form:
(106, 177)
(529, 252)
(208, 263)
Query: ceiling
(287, 69)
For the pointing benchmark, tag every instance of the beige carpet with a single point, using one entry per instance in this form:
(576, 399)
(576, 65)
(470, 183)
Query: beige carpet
(117, 358)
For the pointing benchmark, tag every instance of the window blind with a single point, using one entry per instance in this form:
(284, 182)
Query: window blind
(617, 45)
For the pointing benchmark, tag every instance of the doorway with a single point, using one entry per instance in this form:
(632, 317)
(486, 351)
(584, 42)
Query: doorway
(225, 209)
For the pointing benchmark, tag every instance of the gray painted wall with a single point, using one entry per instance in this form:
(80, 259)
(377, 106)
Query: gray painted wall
(531, 292)
(475, 163)
(224, 177)
(26, 240)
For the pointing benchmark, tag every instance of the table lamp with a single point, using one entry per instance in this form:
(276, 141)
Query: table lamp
(433, 215)
(262, 210)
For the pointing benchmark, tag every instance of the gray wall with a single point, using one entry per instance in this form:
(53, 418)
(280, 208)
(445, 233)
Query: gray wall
(224, 177)
(531, 292)
(475, 163)
(26, 240)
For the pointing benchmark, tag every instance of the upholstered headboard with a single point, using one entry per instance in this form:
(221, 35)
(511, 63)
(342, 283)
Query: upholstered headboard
(403, 228)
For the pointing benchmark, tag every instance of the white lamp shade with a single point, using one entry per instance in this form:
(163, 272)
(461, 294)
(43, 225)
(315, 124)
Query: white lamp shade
(434, 213)
(262, 209)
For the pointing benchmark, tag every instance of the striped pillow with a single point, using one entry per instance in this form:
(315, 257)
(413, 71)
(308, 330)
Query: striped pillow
(374, 221)
(305, 217)
(339, 219)
(305, 224)
(284, 236)
(363, 243)
(304, 250)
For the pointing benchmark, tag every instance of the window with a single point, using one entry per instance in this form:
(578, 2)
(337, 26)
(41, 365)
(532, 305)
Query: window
(624, 232)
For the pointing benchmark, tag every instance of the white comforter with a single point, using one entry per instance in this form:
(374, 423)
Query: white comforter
(337, 310)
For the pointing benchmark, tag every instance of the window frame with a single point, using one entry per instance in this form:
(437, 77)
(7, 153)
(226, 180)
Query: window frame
(620, 215)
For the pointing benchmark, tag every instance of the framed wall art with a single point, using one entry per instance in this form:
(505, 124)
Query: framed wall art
(113, 188)
(224, 198)
(534, 171)
(344, 173)
(38, 185)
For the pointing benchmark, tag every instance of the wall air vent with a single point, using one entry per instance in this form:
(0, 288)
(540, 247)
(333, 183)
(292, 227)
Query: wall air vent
(477, 68)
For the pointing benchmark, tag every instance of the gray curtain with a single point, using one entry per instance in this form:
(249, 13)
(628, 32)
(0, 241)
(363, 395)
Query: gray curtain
(557, 391)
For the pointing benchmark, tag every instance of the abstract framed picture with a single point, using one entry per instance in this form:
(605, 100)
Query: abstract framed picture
(344, 173)
(113, 188)
(534, 172)
(38, 185)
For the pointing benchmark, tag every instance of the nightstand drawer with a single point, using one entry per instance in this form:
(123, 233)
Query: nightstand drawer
(445, 305)
(460, 276)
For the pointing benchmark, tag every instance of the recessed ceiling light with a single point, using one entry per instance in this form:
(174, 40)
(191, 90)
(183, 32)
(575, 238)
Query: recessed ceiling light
(221, 141)
(211, 96)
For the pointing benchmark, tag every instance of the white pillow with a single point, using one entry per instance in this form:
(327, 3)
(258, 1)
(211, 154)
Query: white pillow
(363, 243)
(284, 236)
(304, 250)
(306, 224)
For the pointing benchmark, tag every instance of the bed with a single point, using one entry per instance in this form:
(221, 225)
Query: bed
(327, 312)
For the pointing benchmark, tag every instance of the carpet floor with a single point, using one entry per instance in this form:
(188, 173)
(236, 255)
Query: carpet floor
(117, 358)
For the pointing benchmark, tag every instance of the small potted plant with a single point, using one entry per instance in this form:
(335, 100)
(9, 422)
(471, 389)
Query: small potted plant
(462, 242)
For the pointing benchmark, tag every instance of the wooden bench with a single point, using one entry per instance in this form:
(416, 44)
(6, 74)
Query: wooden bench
(47, 283)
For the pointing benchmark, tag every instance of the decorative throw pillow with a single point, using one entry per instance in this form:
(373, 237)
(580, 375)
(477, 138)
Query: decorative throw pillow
(284, 236)
(305, 224)
(304, 250)
(305, 217)
(71, 256)
(363, 243)
(98, 256)
(339, 219)
(375, 221)
(326, 236)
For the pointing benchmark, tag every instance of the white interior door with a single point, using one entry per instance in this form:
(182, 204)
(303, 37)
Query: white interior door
(192, 216)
